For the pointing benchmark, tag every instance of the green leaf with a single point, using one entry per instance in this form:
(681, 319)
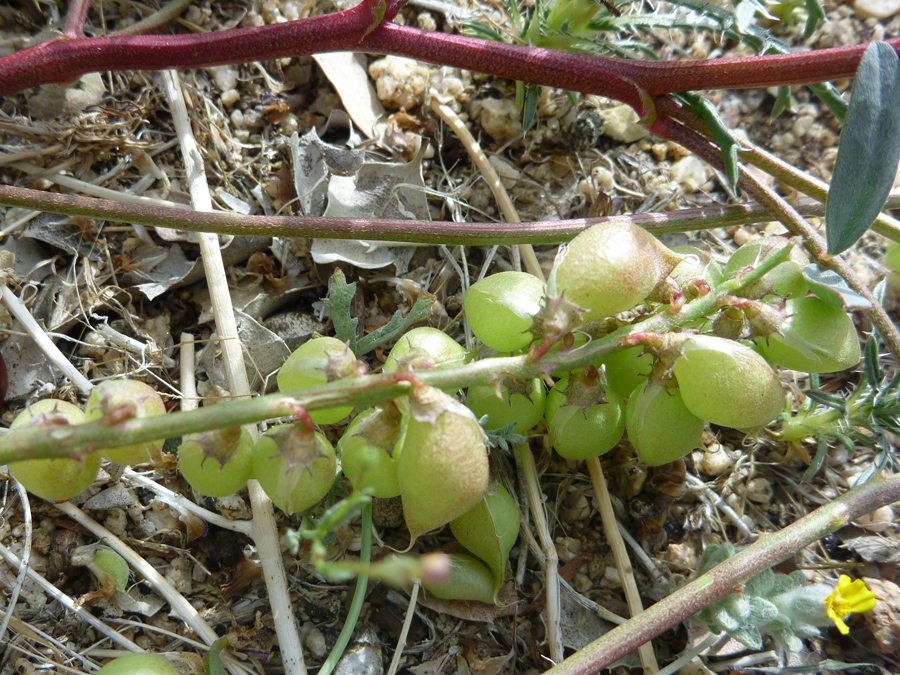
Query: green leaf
(212, 660)
(502, 437)
(829, 286)
(869, 152)
(476, 29)
(748, 636)
(815, 13)
(489, 531)
(338, 303)
(783, 102)
(396, 326)
(827, 664)
(113, 564)
(532, 94)
(721, 133)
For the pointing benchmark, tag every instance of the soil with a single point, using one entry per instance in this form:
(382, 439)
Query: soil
(101, 288)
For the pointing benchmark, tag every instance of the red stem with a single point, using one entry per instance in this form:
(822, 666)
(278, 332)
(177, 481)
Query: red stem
(78, 10)
(64, 60)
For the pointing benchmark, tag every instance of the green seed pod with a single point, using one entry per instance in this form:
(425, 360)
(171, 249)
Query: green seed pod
(321, 360)
(107, 561)
(500, 309)
(785, 279)
(659, 425)
(815, 338)
(608, 269)
(443, 469)
(294, 465)
(727, 383)
(53, 479)
(423, 349)
(138, 664)
(587, 419)
(490, 531)
(117, 400)
(523, 404)
(627, 368)
(216, 463)
(469, 579)
(370, 449)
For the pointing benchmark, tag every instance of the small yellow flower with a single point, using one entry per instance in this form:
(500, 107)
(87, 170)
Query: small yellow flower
(849, 597)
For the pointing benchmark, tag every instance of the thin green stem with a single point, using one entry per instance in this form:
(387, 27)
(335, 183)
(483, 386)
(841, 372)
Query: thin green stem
(359, 595)
(61, 441)
(722, 580)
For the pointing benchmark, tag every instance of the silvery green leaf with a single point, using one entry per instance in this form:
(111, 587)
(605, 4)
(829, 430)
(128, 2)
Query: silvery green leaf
(869, 151)
(762, 611)
(748, 636)
(760, 584)
(830, 287)
(723, 620)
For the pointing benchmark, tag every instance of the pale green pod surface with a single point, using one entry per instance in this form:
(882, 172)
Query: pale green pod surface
(610, 268)
(295, 468)
(213, 466)
(138, 664)
(53, 479)
(112, 563)
(114, 397)
(469, 579)
(367, 466)
(727, 383)
(500, 309)
(490, 531)
(816, 338)
(626, 369)
(786, 279)
(425, 348)
(582, 434)
(309, 366)
(660, 427)
(524, 409)
(443, 471)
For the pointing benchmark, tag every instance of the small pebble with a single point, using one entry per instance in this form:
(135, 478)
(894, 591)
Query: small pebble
(689, 173)
(621, 124)
(314, 641)
(878, 9)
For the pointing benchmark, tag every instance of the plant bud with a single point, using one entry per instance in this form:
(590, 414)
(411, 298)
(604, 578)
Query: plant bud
(815, 338)
(729, 323)
(469, 579)
(725, 382)
(138, 664)
(608, 269)
(216, 463)
(443, 468)
(423, 349)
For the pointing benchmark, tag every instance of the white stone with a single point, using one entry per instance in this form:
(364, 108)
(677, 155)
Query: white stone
(226, 77)
(690, 173)
(621, 124)
(500, 119)
(879, 9)
(399, 82)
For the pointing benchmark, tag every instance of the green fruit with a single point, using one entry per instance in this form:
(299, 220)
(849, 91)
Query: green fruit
(490, 531)
(117, 400)
(582, 433)
(443, 469)
(523, 408)
(369, 450)
(627, 368)
(786, 279)
(320, 360)
(53, 479)
(500, 309)
(138, 664)
(423, 349)
(816, 338)
(295, 466)
(216, 463)
(610, 268)
(892, 260)
(727, 383)
(469, 579)
(660, 427)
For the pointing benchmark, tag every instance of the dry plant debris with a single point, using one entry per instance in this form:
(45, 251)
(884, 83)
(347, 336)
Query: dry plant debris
(275, 138)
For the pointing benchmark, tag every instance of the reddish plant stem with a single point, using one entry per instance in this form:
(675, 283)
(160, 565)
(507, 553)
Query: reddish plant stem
(474, 234)
(722, 580)
(66, 60)
(78, 10)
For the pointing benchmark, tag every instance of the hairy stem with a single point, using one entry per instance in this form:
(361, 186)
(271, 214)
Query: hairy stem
(722, 580)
